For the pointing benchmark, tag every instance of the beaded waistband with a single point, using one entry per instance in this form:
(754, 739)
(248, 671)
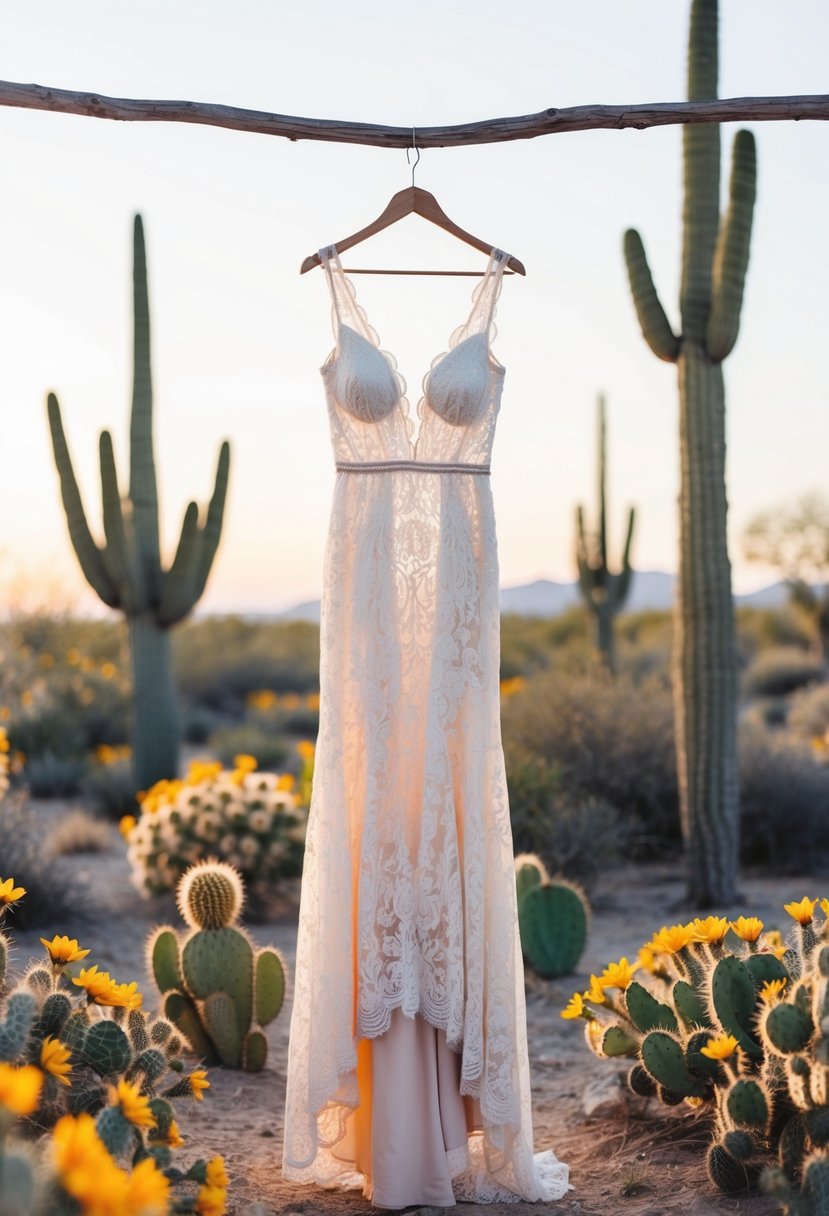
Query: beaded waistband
(420, 466)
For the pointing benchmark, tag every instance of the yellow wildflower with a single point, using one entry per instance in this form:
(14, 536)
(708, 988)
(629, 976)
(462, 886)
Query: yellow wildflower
(5, 713)
(73, 656)
(216, 1172)
(748, 928)
(27, 697)
(286, 782)
(54, 1059)
(803, 911)
(721, 1047)
(248, 764)
(86, 1170)
(509, 688)
(4, 740)
(174, 1136)
(712, 929)
(595, 992)
(125, 825)
(306, 749)
(63, 949)
(772, 991)
(124, 996)
(670, 940)
(264, 698)
(109, 671)
(312, 701)
(824, 905)
(20, 1088)
(773, 942)
(95, 983)
(574, 1008)
(694, 1102)
(198, 1082)
(618, 975)
(9, 893)
(135, 1106)
(210, 1201)
(147, 1190)
(647, 959)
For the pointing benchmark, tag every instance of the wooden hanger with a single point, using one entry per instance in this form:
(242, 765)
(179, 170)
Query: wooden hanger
(414, 200)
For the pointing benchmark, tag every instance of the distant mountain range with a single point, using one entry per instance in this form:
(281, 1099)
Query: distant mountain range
(649, 590)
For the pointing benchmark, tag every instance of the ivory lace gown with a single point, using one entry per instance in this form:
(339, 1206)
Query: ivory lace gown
(408, 1069)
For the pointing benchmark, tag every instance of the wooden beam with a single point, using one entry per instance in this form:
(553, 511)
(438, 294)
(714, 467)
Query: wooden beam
(487, 131)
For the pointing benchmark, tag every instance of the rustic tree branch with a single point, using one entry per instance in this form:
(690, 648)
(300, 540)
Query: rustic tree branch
(487, 131)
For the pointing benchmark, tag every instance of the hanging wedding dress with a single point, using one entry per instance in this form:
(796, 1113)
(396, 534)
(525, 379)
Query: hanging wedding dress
(408, 1070)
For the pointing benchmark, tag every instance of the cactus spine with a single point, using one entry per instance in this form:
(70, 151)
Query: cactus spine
(603, 593)
(714, 263)
(126, 570)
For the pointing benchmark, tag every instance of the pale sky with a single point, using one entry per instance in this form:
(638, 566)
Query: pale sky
(239, 335)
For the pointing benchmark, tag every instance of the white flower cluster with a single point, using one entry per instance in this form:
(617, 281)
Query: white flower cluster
(248, 819)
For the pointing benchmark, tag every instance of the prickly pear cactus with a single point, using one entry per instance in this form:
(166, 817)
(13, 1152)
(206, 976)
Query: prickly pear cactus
(217, 989)
(552, 920)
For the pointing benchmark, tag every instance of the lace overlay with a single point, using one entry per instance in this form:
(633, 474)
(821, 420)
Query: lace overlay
(408, 893)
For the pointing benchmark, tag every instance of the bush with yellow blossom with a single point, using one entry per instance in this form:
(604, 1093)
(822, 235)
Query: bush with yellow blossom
(732, 1019)
(79, 1055)
(254, 821)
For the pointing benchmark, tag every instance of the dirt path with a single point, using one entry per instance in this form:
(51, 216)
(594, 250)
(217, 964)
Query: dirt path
(658, 1158)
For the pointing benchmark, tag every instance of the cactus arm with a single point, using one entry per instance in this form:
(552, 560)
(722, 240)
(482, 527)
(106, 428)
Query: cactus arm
(621, 583)
(212, 531)
(143, 488)
(602, 538)
(116, 555)
(582, 558)
(653, 321)
(89, 554)
(701, 208)
(731, 255)
(177, 585)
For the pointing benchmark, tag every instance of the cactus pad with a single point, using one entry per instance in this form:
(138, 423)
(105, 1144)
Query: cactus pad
(740, 1145)
(553, 925)
(748, 1104)
(162, 949)
(106, 1048)
(222, 1024)
(640, 1082)
(689, 1005)
(256, 1051)
(21, 1010)
(530, 872)
(729, 1176)
(664, 1059)
(182, 1013)
(210, 895)
(646, 1012)
(734, 998)
(116, 1132)
(269, 985)
(788, 1028)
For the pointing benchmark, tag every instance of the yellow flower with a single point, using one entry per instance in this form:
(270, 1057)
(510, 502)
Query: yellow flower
(9, 892)
(773, 941)
(20, 1088)
(618, 975)
(772, 991)
(73, 656)
(306, 749)
(174, 1136)
(87, 1172)
(312, 701)
(595, 992)
(135, 1106)
(247, 764)
(720, 1047)
(125, 825)
(286, 782)
(4, 739)
(198, 1082)
(694, 1102)
(712, 929)
(647, 960)
(264, 698)
(95, 983)
(124, 996)
(670, 940)
(147, 1190)
(824, 904)
(54, 1059)
(748, 928)
(216, 1172)
(109, 671)
(210, 1201)
(63, 949)
(575, 1007)
(509, 688)
(802, 912)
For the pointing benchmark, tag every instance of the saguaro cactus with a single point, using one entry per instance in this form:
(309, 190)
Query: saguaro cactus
(603, 593)
(714, 262)
(126, 570)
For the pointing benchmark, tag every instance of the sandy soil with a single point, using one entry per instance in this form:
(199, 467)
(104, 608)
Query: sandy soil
(640, 1161)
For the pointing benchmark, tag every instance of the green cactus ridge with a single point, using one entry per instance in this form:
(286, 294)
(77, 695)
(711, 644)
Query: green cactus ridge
(20, 1013)
(210, 895)
(688, 1004)
(4, 959)
(748, 1105)
(553, 924)
(646, 1012)
(816, 1182)
(729, 1176)
(126, 570)
(530, 872)
(734, 998)
(663, 1057)
(116, 1132)
(788, 1028)
(222, 1024)
(765, 967)
(269, 985)
(184, 1014)
(106, 1048)
(640, 1082)
(740, 1145)
(617, 1042)
(162, 949)
(256, 1051)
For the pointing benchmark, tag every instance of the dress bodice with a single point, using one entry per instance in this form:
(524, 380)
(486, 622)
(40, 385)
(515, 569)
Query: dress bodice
(370, 414)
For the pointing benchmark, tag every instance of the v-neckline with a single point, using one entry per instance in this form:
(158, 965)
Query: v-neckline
(414, 430)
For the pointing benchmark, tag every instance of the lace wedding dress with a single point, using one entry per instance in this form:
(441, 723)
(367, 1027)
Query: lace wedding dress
(408, 1070)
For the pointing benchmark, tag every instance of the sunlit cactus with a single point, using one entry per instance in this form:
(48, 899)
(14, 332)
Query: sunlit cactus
(552, 918)
(126, 570)
(604, 594)
(714, 263)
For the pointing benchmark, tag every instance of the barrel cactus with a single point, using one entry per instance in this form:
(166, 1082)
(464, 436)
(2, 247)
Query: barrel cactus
(714, 262)
(604, 593)
(217, 989)
(126, 571)
(552, 918)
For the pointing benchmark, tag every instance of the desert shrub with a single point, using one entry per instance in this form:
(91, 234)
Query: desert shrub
(199, 723)
(534, 643)
(761, 629)
(50, 776)
(609, 740)
(252, 820)
(221, 660)
(79, 832)
(46, 731)
(577, 839)
(780, 671)
(109, 783)
(252, 739)
(52, 890)
(784, 801)
(808, 716)
(287, 713)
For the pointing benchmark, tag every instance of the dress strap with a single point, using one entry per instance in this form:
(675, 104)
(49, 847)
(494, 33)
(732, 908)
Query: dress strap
(484, 300)
(346, 310)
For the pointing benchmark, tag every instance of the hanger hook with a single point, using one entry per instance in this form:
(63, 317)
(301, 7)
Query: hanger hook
(414, 148)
